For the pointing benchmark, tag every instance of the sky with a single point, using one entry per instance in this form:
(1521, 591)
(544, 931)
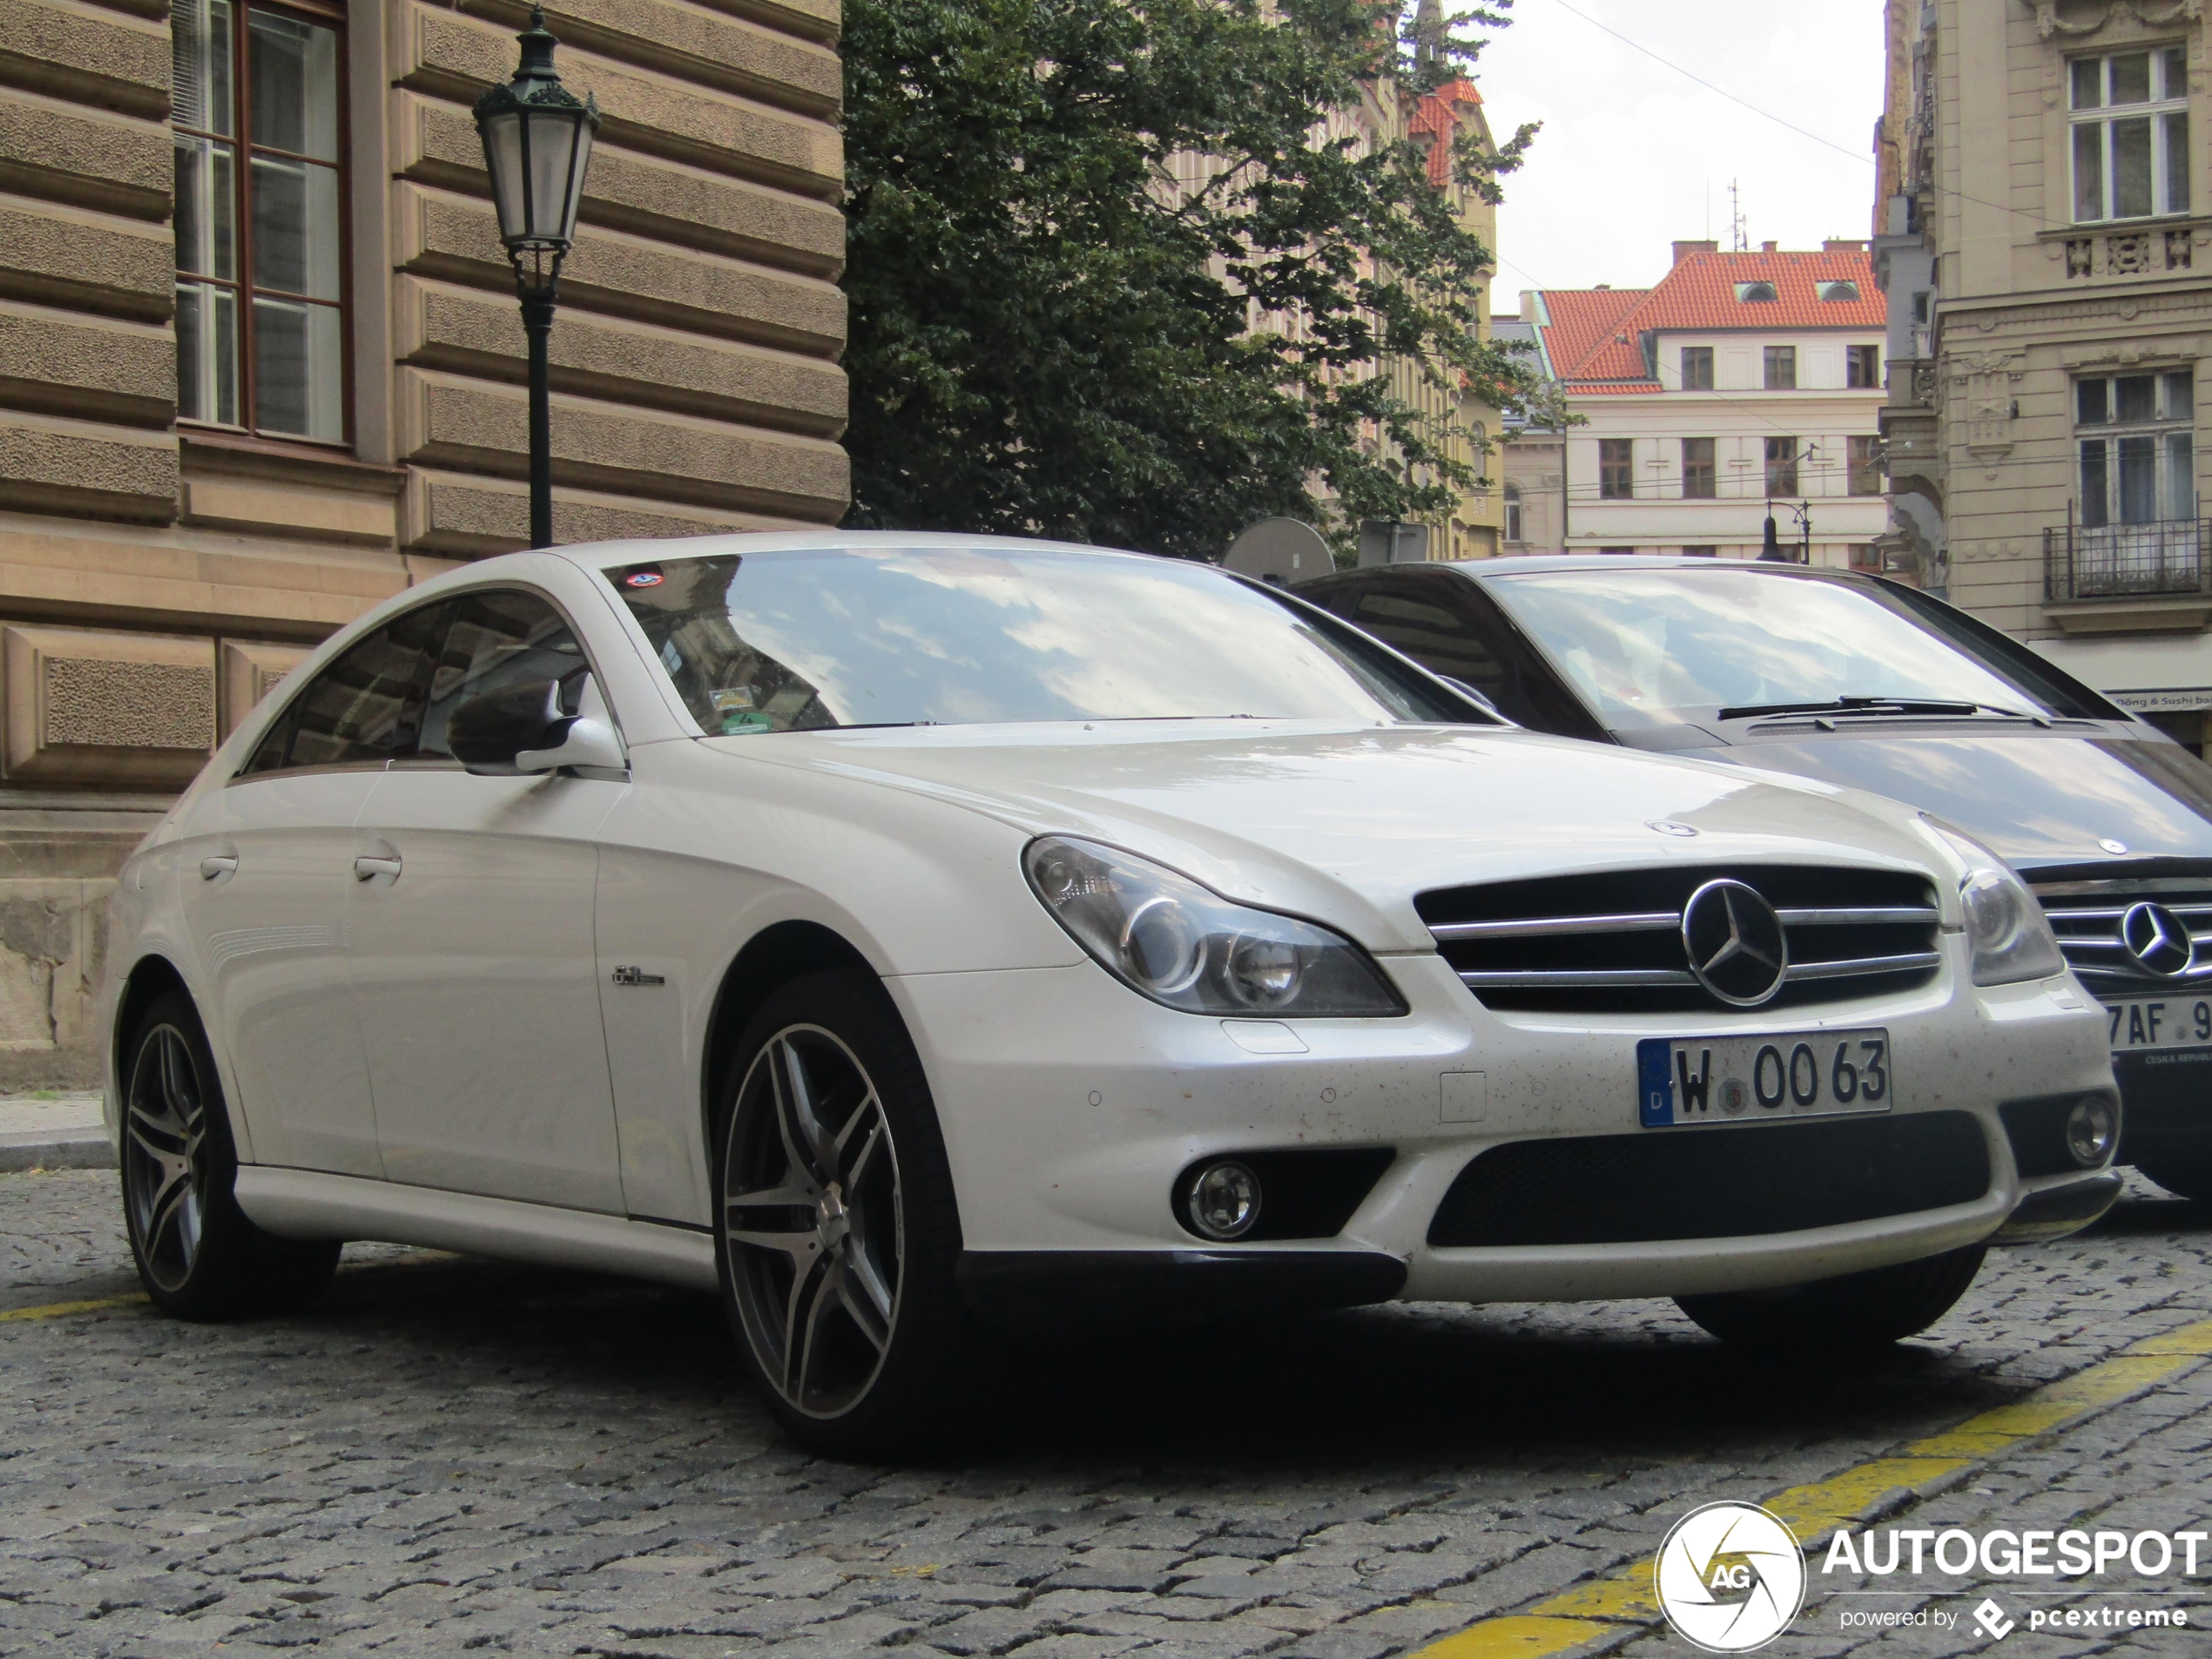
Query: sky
(1632, 152)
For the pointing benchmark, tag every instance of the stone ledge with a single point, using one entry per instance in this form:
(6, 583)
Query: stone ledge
(81, 261)
(90, 157)
(79, 1148)
(63, 466)
(86, 55)
(58, 362)
(2185, 614)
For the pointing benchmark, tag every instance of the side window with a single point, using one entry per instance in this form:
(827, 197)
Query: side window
(1433, 636)
(366, 706)
(493, 639)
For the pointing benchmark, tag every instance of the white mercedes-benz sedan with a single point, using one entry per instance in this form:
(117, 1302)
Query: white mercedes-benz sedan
(901, 935)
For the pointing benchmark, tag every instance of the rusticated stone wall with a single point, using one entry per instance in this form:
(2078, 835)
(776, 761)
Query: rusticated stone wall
(156, 579)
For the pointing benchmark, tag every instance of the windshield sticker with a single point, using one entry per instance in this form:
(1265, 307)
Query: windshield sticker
(645, 576)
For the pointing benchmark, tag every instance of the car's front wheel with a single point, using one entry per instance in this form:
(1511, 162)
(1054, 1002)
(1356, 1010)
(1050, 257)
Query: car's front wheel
(1857, 1311)
(197, 1254)
(836, 1224)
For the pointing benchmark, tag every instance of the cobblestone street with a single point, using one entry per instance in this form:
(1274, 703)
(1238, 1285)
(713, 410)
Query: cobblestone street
(449, 1456)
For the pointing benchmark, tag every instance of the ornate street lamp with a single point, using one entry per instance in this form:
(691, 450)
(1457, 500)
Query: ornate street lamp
(537, 142)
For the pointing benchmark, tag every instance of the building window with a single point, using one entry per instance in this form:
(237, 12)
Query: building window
(1838, 293)
(1701, 552)
(1863, 367)
(1781, 368)
(1513, 513)
(1757, 294)
(2131, 134)
(1696, 368)
(1866, 558)
(2136, 437)
(261, 228)
(1865, 465)
(1920, 297)
(1781, 467)
(1619, 552)
(1616, 470)
(1700, 477)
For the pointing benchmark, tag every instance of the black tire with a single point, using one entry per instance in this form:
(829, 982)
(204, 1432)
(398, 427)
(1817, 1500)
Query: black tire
(197, 1254)
(836, 1230)
(2186, 1175)
(1859, 1311)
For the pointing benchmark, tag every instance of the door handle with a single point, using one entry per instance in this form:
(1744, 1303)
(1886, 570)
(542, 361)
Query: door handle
(217, 866)
(367, 869)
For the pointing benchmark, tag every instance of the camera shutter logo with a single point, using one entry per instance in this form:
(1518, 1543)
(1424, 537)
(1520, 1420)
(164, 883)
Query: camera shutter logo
(1730, 1577)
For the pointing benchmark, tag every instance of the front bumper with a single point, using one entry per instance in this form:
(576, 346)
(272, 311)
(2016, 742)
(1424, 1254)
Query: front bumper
(1070, 1106)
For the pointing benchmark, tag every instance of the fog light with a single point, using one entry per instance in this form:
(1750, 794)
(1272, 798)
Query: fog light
(2091, 1129)
(1223, 1201)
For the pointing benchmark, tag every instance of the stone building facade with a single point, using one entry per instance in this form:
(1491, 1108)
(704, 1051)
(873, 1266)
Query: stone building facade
(260, 366)
(2045, 215)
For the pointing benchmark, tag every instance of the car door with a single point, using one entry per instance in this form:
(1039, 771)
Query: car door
(474, 973)
(267, 890)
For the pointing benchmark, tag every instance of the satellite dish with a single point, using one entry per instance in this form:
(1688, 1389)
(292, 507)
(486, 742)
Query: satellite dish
(1281, 551)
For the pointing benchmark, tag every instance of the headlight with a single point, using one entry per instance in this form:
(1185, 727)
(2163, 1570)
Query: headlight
(2012, 941)
(1182, 945)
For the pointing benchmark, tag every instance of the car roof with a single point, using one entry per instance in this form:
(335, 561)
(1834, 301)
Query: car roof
(599, 555)
(1533, 564)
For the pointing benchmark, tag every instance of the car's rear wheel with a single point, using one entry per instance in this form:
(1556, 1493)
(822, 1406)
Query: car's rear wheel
(1857, 1311)
(2184, 1174)
(197, 1254)
(836, 1224)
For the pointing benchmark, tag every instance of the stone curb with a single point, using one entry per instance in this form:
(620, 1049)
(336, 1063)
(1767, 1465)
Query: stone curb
(68, 1149)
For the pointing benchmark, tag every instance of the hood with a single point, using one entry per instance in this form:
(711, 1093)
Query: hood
(1347, 824)
(2039, 799)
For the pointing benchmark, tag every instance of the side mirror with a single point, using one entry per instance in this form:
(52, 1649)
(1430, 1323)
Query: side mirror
(521, 730)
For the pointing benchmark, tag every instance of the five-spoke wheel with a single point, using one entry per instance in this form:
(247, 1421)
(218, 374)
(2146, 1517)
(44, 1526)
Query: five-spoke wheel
(835, 1219)
(165, 1155)
(197, 1255)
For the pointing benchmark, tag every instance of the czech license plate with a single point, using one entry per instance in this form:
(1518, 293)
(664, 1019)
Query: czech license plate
(2159, 1023)
(1739, 1080)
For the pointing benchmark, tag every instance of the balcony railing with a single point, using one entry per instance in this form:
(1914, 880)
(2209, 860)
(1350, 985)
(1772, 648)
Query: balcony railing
(2167, 557)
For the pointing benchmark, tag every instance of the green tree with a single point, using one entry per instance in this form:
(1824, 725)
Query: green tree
(1049, 336)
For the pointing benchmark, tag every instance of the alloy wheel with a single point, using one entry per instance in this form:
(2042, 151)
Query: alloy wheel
(812, 1220)
(165, 1155)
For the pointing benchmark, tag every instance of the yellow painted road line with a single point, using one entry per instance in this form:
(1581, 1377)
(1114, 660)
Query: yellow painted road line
(58, 1310)
(1614, 1605)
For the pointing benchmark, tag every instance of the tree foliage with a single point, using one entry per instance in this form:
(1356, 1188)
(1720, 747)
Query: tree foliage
(1049, 337)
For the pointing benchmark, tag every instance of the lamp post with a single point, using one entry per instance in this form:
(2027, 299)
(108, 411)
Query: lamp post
(537, 143)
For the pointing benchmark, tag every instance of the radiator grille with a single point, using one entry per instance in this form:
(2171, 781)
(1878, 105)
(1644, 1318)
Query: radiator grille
(2089, 917)
(1614, 942)
(1735, 1183)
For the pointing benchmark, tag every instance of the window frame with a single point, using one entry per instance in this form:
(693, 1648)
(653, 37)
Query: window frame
(325, 14)
(1702, 381)
(1515, 516)
(1781, 358)
(1616, 468)
(2157, 111)
(1863, 465)
(2160, 430)
(294, 696)
(1782, 468)
(1707, 470)
(1862, 368)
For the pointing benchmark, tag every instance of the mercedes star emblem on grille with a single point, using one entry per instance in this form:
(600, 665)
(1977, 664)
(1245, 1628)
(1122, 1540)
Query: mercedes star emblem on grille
(1735, 943)
(2156, 939)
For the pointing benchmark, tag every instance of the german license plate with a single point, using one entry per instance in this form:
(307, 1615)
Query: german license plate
(2159, 1023)
(1740, 1079)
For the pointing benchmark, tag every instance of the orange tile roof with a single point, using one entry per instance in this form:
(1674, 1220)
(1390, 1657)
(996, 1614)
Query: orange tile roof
(1437, 116)
(1597, 335)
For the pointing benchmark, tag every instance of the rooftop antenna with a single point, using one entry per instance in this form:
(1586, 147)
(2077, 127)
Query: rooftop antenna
(1742, 241)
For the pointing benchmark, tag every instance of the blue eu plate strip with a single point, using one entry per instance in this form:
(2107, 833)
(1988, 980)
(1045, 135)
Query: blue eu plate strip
(1656, 1083)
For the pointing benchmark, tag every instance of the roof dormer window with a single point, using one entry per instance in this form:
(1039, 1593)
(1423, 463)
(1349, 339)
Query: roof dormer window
(1757, 294)
(1838, 292)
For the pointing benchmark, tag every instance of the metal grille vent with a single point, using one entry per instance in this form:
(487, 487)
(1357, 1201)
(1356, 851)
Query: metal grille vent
(1614, 942)
(2091, 919)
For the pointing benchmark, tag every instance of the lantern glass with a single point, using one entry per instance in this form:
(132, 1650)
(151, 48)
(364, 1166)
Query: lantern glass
(549, 154)
(502, 136)
(574, 194)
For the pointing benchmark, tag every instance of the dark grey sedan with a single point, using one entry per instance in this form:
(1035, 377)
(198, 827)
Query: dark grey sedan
(1866, 682)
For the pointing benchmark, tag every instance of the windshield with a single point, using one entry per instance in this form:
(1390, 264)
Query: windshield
(805, 639)
(1683, 645)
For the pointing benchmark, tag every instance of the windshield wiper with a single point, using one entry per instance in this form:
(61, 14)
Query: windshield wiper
(1856, 707)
